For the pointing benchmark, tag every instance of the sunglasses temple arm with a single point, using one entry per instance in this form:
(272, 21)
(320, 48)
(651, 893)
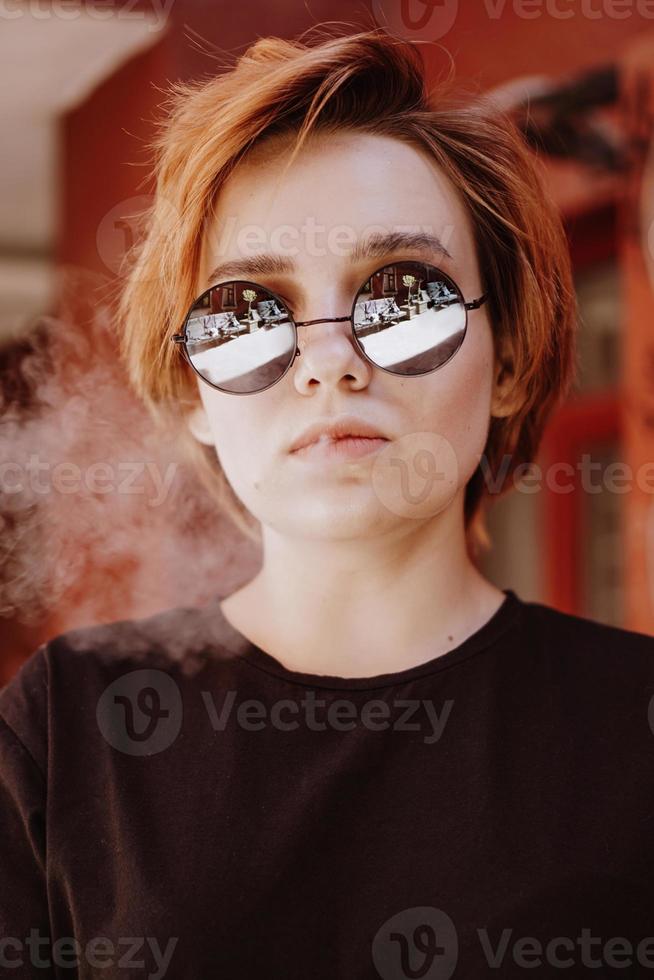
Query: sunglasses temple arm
(474, 304)
(180, 340)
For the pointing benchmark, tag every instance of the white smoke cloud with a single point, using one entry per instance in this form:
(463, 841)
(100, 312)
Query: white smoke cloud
(100, 518)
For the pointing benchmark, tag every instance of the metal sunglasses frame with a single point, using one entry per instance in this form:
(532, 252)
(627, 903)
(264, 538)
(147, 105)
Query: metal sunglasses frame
(474, 304)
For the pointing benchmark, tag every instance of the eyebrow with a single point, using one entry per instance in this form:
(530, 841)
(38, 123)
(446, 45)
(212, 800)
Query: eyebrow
(374, 246)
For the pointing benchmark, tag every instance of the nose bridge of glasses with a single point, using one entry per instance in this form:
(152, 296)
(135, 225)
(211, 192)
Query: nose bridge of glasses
(326, 319)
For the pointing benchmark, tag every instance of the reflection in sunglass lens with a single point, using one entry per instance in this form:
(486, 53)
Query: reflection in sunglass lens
(240, 337)
(409, 318)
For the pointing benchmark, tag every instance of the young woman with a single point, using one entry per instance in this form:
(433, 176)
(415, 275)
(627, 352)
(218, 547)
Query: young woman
(355, 299)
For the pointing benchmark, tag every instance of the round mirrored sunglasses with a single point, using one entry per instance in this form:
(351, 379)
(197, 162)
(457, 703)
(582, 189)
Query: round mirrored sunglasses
(408, 318)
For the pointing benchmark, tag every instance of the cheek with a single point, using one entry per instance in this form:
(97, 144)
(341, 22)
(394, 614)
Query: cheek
(456, 403)
(235, 439)
(241, 430)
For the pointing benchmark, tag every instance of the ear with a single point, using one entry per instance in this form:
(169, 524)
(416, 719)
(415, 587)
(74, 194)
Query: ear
(506, 399)
(198, 422)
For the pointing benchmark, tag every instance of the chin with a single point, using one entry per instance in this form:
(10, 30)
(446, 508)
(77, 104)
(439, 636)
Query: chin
(333, 520)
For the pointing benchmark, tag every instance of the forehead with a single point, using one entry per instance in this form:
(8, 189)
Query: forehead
(340, 188)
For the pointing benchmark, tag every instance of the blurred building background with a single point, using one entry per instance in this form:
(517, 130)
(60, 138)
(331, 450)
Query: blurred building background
(80, 86)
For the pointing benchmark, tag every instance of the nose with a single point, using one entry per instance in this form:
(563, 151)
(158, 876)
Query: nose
(329, 355)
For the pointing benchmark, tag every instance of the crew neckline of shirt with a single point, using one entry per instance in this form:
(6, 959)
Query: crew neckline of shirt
(482, 638)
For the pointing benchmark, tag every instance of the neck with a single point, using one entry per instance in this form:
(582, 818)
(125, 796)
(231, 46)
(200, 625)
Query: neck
(364, 607)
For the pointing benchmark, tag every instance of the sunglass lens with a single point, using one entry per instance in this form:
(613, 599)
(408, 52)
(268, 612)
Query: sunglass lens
(409, 318)
(240, 337)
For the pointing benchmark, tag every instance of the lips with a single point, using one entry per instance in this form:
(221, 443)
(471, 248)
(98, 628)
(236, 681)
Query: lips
(349, 448)
(334, 430)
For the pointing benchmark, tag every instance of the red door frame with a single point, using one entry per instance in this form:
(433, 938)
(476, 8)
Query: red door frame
(582, 421)
(579, 424)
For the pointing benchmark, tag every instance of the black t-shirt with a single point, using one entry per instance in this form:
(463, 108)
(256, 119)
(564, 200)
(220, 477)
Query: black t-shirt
(174, 802)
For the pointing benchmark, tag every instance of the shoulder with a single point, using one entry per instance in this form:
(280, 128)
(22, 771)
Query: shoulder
(582, 635)
(23, 710)
(182, 636)
(165, 638)
(68, 673)
(578, 648)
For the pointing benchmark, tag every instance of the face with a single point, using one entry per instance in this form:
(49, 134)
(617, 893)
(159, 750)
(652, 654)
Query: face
(339, 191)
